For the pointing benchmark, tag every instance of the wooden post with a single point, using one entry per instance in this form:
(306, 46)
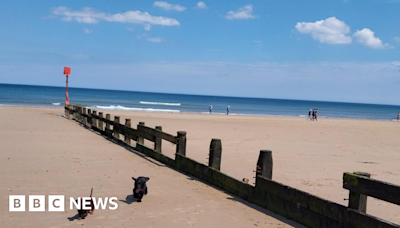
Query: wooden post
(214, 159)
(116, 122)
(80, 115)
(158, 141)
(140, 140)
(84, 119)
(358, 201)
(89, 120)
(101, 121)
(66, 111)
(77, 113)
(265, 164)
(128, 124)
(108, 129)
(94, 120)
(181, 145)
(71, 111)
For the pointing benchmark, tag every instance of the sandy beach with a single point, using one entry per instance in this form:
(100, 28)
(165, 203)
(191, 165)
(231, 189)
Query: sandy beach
(43, 153)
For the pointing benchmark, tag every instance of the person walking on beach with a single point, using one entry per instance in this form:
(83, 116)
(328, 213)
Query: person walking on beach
(313, 114)
(316, 114)
(309, 114)
(228, 110)
(211, 107)
(398, 117)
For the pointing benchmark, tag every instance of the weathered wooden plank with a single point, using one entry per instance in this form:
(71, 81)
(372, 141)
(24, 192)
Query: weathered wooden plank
(153, 154)
(304, 199)
(116, 130)
(101, 127)
(181, 143)
(127, 125)
(107, 130)
(127, 131)
(157, 133)
(372, 187)
(315, 204)
(140, 139)
(214, 159)
(158, 141)
(89, 118)
(84, 119)
(360, 220)
(105, 120)
(358, 201)
(291, 210)
(213, 176)
(95, 117)
(141, 135)
(265, 164)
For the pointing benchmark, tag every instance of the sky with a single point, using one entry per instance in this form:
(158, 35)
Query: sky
(330, 50)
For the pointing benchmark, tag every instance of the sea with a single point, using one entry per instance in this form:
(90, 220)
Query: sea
(50, 96)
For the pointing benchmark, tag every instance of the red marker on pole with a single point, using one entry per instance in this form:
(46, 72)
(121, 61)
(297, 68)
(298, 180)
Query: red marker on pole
(67, 72)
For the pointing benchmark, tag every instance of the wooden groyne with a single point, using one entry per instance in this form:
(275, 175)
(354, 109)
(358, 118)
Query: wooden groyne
(302, 207)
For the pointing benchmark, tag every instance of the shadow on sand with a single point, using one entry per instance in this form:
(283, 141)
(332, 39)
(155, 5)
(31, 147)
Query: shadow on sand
(266, 212)
(73, 218)
(123, 145)
(129, 199)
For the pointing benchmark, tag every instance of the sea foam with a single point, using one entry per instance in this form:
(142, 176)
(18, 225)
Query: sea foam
(123, 108)
(159, 103)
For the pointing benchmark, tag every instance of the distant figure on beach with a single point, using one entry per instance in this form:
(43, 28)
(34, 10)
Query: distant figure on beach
(398, 117)
(316, 114)
(211, 107)
(309, 114)
(313, 115)
(228, 110)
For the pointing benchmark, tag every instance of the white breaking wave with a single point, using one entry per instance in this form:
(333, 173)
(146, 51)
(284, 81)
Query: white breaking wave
(8, 105)
(122, 108)
(55, 103)
(159, 103)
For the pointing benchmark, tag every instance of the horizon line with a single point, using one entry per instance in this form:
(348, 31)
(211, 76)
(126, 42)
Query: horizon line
(397, 105)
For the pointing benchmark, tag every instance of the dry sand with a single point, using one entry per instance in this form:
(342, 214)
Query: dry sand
(49, 155)
(44, 154)
(308, 155)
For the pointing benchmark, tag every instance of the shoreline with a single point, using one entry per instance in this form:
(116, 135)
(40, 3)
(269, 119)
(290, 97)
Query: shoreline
(199, 113)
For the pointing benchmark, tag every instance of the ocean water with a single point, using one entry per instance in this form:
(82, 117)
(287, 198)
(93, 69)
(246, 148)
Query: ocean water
(47, 96)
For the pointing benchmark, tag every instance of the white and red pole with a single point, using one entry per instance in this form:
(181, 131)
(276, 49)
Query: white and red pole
(67, 72)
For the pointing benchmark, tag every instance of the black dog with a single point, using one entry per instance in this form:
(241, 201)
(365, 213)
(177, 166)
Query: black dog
(83, 213)
(140, 187)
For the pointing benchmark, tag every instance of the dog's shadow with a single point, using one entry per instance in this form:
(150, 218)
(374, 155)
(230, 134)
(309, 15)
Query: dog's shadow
(73, 218)
(129, 199)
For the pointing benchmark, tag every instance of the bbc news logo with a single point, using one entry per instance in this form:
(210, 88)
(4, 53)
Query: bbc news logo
(37, 203)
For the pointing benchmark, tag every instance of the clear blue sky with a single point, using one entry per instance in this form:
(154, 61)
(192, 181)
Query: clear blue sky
(334, 50)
